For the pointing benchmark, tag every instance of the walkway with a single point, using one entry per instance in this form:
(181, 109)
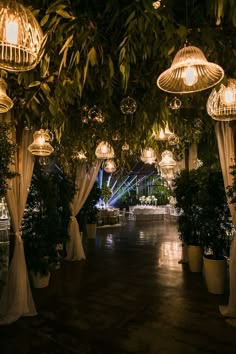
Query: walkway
(130, 296)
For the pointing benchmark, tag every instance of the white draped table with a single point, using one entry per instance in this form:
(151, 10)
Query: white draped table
(151, 212)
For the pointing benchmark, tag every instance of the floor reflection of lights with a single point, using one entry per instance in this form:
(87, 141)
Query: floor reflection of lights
(169, 254)
(109, 241)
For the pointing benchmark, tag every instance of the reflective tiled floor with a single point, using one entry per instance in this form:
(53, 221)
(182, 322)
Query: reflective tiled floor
(130, 296)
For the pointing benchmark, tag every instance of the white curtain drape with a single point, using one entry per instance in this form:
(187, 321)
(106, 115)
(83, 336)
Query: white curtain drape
(16, 299)
(225, 140)
(84, 181)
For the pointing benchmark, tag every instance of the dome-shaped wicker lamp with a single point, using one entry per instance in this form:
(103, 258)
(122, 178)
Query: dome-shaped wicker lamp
(190, 72)
(6, 102)
(41, 145)
(109, 166)
(21, 38)
(104, 151)
(221, 104)
(148, 155)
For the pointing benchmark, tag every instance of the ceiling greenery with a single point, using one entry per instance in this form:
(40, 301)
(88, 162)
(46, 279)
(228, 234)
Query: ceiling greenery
(99, 52)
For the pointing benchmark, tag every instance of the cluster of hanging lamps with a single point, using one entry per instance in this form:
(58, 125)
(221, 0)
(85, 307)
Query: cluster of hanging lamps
(104, 151)
(21, 37)
(41, 145)
(148, 155)
(109, 166)
(190, 72)
(221, 104)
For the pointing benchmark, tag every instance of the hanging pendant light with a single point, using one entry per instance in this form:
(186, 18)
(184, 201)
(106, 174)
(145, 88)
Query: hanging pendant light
(190, 72)
(41, 145)
(21, 38)
(6, 102)
(125, 146)
(148, 156)
(167, 165)
(167, 160)
(104, 151)
(110, 166)
(221, 104)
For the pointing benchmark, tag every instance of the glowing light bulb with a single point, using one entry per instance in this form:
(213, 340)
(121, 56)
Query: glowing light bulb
(190, 76)
(12, 32)
(228, 96)
(104, 149)
(41, 140)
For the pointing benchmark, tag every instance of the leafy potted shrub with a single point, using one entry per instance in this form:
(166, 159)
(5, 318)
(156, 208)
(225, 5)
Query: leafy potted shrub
(186, 189)
(45, 223)
(214, 228)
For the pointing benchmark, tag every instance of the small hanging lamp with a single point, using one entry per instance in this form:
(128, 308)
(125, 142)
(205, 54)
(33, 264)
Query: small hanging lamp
(109, 166)
(148, 155)
(128, 105)
(125, 146)
(190, 72)
(41, 145)
(221, 104)
(167, 160)
(21, 38)
(104, 151)
(6, 102)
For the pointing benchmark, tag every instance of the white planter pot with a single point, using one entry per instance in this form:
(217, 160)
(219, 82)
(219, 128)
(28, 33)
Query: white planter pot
(215, 274)
(91, 231)
(39, 281)
(195, 258)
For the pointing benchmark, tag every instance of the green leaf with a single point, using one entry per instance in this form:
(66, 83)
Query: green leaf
(111, 67)
(92, 56)
(44, 20)
(64, 14)
(34, 83)
(130, 18)
(66, 44)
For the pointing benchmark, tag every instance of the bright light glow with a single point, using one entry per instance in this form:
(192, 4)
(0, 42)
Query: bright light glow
(104, 149)
(161, 134)
(190, 76)
(41, 140)
(12, 32)
(228, 96)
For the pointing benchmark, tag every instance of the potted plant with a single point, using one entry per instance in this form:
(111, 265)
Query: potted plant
(185, 191)
(45, 223)
(88, 213)
(214, 227)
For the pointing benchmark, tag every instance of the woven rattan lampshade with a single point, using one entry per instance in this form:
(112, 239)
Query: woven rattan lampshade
(104, 151)
(6, 102)
(21, 37)
(221, 104)
(190, 72)
(148, 156)
(41, 145)
(110, 166)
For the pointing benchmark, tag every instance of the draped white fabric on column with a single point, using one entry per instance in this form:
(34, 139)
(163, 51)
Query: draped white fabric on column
(84, 181)
(226, 148)
(16, 299)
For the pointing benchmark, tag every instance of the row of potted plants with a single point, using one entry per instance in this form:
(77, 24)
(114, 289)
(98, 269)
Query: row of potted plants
(204, 224)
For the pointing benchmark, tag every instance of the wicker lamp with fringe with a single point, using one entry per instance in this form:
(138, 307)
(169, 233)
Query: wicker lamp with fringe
(221, 104)
(21, 38)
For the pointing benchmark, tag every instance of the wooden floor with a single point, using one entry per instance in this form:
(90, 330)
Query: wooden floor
(130, 296)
